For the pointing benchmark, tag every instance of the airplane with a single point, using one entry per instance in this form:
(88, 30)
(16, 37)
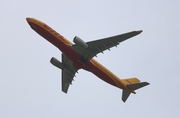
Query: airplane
(80, 56)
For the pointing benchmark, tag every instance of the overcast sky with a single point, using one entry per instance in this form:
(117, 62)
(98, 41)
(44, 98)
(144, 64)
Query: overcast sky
(30, 85)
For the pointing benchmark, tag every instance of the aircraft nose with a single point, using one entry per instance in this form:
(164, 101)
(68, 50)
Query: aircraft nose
(28, 19)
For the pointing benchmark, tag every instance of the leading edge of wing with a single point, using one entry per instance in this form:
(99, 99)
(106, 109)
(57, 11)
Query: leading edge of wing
(117, 38)
(100, 45)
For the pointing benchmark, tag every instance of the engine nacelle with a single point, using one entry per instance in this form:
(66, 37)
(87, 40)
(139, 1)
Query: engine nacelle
(80, 42)
(56, 63)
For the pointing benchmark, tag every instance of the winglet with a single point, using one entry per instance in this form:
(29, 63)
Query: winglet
(139, 31)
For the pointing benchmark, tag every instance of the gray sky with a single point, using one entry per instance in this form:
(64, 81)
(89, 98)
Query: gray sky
(30, 85)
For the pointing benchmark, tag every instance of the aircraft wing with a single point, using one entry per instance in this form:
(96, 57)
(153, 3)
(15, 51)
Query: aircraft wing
(68, 73)
(97, 46)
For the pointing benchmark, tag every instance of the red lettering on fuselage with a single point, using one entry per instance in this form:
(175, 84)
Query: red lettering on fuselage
(54, 32)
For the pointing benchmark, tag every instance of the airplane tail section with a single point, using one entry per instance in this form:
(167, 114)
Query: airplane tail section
(131, 80)
(135, 84)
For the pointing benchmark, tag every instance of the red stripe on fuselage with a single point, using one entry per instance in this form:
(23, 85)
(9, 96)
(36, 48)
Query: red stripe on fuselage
(59, 41)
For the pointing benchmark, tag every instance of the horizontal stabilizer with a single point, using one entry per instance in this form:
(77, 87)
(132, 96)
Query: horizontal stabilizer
(134, 86)
(125, 95)
(137, 85)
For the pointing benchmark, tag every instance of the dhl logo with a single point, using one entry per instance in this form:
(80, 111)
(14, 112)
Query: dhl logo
(54, 32)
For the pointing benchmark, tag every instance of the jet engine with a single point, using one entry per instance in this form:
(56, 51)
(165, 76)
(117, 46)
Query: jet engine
(56, 63)
(80, 42)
